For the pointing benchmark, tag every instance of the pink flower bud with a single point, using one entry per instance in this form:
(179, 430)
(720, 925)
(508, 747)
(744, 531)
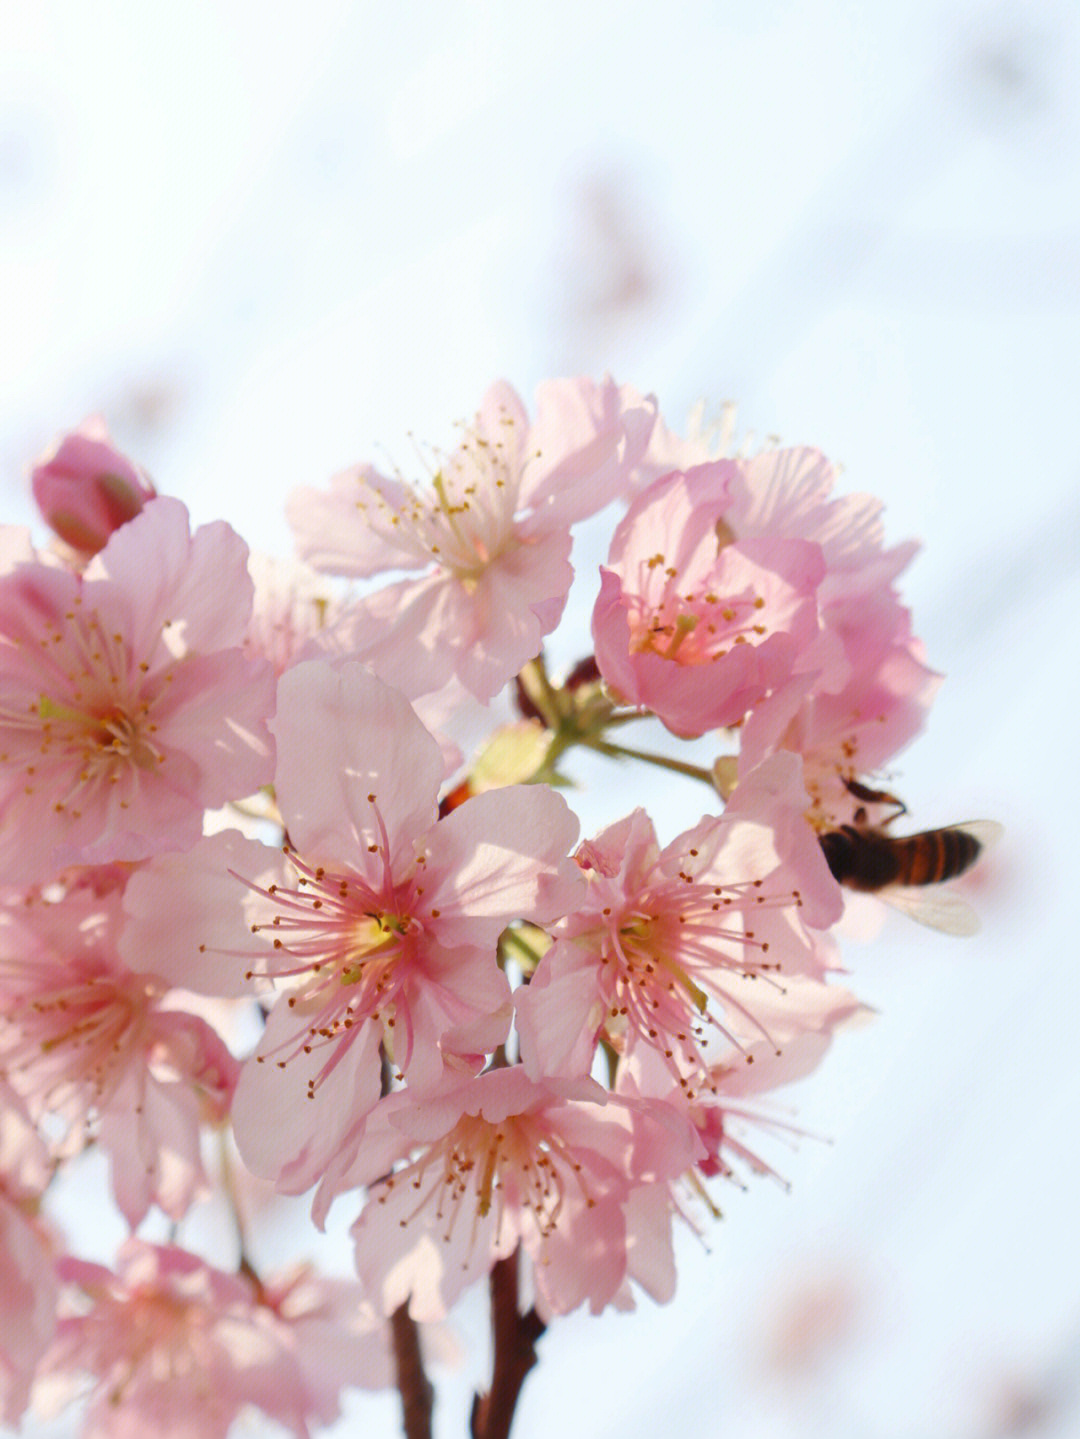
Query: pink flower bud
(86, 489)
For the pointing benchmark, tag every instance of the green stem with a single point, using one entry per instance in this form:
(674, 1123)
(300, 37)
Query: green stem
(662, 761)
(544, 695)
(618, 717)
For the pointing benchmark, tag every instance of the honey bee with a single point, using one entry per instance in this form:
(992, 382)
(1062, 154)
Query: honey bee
(897, 868)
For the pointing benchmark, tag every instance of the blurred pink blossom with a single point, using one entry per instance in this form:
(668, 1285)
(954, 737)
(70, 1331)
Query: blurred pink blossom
(176, 1347)
(28, 1286)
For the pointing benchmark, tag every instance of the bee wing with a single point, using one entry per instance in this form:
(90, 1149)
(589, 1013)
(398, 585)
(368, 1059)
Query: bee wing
(937, 908)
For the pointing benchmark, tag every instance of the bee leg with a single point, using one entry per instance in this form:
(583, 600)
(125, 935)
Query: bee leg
(858, 790)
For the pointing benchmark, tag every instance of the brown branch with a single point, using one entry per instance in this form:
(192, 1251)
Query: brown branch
(515, 1336)
(417, 1395)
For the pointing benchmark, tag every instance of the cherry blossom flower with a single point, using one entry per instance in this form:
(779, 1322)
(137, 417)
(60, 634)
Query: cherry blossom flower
(678, 598)
(342, 994)
(708, 437)
(86, 489)
(491, 534)
(128, 707)
(28, 1287)
(16, 548)
(333, 1333)
(178, 1347)
(383, 932)
(498, 1162)
(789, 492)
(89, 1041)
(445, 711)
(697, 630)
(731, 1099)
(721, 914)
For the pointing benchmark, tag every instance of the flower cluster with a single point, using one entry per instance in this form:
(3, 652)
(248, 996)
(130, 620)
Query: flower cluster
(254, 888)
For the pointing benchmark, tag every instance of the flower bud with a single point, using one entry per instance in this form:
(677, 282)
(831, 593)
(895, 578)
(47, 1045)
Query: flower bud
(86, 489)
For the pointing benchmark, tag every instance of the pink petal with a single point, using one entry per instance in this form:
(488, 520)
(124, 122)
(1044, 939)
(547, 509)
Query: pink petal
(490, 860)
(356, 768)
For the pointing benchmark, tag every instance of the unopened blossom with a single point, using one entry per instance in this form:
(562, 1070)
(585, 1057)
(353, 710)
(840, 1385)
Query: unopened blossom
(672, 948)
(28, 1287)
(692, 627)
(501, 1161)
(381, 934)
(85, 488)
(87, 1040)
(173, 1346)
(127, 706)
(489, 534)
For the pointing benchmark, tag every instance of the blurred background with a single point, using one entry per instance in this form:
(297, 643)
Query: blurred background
(264, 242)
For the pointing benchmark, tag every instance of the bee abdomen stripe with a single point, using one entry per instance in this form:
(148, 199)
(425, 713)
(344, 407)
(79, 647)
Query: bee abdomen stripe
(941, 854)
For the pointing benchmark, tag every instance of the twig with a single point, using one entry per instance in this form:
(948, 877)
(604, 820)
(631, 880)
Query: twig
(417, 1395)
(515, 1336)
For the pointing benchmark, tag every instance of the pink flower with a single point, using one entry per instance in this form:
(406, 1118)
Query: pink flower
(789, 492)
(87, 1040)
(854, 717)
(86, 489)
(498, 1162)
(679, 597)
(697, 630)
(28, 1287)
(128, 707)
(491, 535)
(672, 948)
(178, 1348)
(382, 932)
